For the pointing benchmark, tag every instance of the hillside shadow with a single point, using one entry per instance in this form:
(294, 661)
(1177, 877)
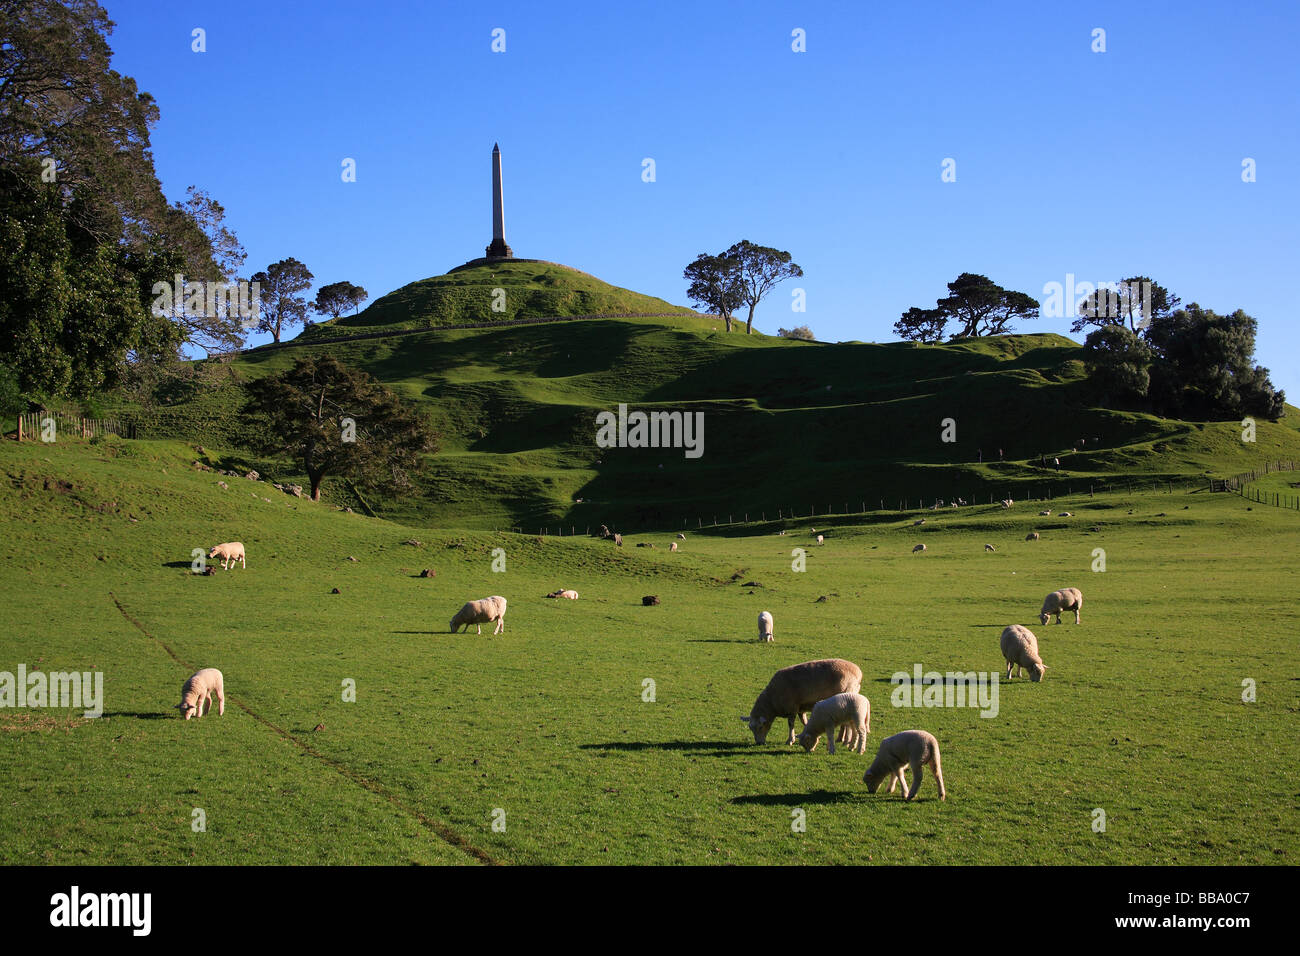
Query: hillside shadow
(177, 564)
(812, 797)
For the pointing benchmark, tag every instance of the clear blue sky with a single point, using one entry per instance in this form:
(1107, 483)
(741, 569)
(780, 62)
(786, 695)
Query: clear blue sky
(1103, 165)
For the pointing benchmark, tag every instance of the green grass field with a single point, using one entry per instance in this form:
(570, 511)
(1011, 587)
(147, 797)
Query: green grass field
(1141, 714)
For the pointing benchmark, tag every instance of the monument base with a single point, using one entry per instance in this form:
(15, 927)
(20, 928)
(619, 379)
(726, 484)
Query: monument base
(498, 249)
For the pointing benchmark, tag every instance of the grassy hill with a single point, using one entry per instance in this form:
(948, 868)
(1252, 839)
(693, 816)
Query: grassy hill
(550, 727)
(465, 295)
(789, 425)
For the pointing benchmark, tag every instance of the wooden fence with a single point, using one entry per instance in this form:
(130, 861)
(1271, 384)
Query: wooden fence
(1240, 485)
(56, 426)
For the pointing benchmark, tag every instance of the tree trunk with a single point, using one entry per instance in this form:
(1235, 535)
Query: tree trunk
(749, 322)
(315, 478)
(726, 318)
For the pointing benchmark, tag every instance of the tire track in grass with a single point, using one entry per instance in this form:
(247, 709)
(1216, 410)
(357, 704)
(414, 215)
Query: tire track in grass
(443, 831)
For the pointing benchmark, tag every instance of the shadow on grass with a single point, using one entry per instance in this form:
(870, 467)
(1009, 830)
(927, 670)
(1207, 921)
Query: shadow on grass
(812, 797)
(421, 632)
(141, 716)
(720, 640)
(177, 564)
(702, 748)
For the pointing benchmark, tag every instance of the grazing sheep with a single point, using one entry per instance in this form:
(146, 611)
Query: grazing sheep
(1067, 514)
(483, 612)
(1007, 502)
(618, 540)
(1045, 513)
(1020, 648)
(918, 521)
(989, 547)
(793, 690)
(765, 627)
(562, 593)
(821, 539)
(649, 600)
(198, 690)
(673, 546)
(1032, 536)
(680, 536)
(229, 553)
(911, 748)
(919, 547)
(851, 711)
(1066, 599)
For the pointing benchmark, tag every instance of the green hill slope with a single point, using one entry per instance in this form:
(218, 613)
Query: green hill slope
(466, 295)
(788, 425)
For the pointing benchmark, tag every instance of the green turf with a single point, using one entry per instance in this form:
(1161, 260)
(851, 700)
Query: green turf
(1140, 715)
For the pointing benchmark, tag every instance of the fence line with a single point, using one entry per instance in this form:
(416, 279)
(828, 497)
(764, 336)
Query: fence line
(37, 425)
(1239, 485)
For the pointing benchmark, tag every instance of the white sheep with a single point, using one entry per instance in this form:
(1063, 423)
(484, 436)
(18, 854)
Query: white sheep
(680, 536)
(989, 547)
(794, 689)
(821, 539)
(914, 749)
(1032, 536)
(483, 612)
(850, 711)
(673, 546)
(1020, 649)
(198, 690)
(1066, 599)
(1067, 514)
(567, 593)
(1007, 502)
(1042, 514)
(919, 547)
(229, 553)
(918, 521)
(765, 627)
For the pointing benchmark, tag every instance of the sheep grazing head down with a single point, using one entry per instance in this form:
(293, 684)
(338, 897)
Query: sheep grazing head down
(759, 726)
(874, 780)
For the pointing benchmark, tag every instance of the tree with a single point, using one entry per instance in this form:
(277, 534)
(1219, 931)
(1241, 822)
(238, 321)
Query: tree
(716, 285)
(1139, 300)
(1205, 367)
(981, 306)
(798, 332)
(337, 297)
(921, 325)
(337, 420)
(1119, 364)
(761, 269)
(281, 307)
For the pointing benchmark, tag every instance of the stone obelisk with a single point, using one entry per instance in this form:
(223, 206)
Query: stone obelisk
(498, 249)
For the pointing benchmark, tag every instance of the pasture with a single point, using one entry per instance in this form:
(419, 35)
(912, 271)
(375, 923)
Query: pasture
(545, 728)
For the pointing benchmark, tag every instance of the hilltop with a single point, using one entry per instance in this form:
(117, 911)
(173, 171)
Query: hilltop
(465, 295)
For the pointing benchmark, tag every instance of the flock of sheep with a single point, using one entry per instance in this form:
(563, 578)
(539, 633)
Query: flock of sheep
(823, 694)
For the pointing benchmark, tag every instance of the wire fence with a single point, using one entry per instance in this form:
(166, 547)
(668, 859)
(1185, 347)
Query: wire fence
(54, 426)
(1240, 485)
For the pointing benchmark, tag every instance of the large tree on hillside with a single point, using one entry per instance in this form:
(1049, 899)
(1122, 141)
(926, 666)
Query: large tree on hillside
(1205, 367)
(281, 306)
(761, 269)
(87, 231)
(337, 420)
(977, 303)
(716, 285)
(337, 297)
(1119, 365)
(1137, 300)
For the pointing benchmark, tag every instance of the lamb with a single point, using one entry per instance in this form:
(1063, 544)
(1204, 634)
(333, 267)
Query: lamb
(198, 690)
(793, 690)
(851, 711)
(912, 748)
(821, 539)
(765, 627)
(918, 521)
(1067, 514)
(229, 553)
(919, 547)
(1045, 513)
(1007, 502)
(989, 547)
(680, 536)
(1020, 648)
(483, 612)
(1032, 536)
(1066, 599)
(565, 593)
(673, 546)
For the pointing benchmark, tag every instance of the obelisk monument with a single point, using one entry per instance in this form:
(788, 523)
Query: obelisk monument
(498, 249)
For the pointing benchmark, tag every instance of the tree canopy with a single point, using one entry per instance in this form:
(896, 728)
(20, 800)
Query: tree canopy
(338, 420)
(716, 285)
(760, 269)
(281, 306)
(337, 297)
(977, 303)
